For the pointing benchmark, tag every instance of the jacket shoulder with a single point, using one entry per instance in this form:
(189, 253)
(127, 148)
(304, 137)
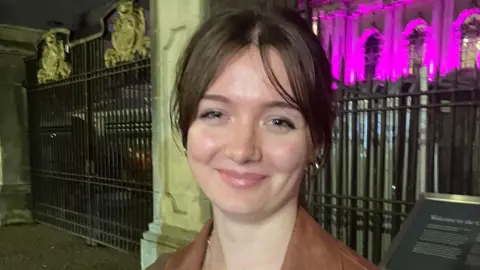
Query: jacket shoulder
(160, 263)
(335, 254)
(353, 261)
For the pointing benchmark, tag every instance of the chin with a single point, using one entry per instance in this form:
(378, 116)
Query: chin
(237, 208)
(248, 210)
(239, 203)
(251, 208)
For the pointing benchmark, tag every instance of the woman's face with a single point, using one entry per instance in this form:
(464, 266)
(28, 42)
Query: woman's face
(247, 147)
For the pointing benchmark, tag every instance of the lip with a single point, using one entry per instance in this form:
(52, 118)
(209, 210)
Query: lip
(241, 180)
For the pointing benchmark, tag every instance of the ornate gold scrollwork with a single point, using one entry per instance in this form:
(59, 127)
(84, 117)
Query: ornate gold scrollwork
(52, 62)
(128, 37)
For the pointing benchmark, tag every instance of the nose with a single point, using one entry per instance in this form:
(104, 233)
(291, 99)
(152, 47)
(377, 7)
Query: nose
(242, 146)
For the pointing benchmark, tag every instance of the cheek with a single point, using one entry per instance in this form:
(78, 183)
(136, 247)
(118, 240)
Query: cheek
(287, 154)
(202, 143)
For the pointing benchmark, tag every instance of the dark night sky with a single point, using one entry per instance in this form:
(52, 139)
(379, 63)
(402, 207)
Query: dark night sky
(36, 13)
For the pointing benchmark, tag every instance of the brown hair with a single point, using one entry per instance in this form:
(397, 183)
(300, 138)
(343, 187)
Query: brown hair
(225, 34)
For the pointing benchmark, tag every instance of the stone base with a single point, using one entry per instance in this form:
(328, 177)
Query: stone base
(15, 204)
(170, 239)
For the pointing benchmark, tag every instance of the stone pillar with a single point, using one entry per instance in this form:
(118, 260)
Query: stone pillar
(327, 30)
(386, 55)
(450, 53)
(351, 48)
(398, 43)
(16, 43)
(180, 209)
(338, 44)
(437, 35)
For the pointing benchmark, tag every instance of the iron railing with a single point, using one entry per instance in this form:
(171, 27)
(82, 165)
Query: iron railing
(90, 145)
(392, 142)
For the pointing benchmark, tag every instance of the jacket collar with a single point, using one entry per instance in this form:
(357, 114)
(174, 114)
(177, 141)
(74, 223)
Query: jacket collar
(310, 247)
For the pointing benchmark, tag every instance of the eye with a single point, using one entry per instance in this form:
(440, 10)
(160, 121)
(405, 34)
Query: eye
(211, 115)
(282, 123)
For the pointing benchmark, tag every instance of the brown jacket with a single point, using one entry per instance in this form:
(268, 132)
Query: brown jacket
(310, 248)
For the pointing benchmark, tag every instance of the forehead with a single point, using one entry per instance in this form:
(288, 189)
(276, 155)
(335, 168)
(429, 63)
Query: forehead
(244, 76)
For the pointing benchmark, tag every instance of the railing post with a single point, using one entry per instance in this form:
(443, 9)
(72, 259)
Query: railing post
(422, 151)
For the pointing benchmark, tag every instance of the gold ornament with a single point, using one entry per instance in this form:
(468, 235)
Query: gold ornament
(52, 62)
(128, 37)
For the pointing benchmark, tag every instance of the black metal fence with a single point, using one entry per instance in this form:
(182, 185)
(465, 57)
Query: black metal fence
(90, 143)
(392, 142)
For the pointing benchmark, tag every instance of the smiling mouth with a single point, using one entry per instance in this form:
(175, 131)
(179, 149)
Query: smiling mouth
(241, 180)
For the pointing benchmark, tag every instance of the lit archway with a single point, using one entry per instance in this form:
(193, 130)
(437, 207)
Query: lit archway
(464, 38)
(368, 56)
(416, 47)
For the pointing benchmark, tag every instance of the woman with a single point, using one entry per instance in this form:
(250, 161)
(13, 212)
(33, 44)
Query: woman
(254, 108)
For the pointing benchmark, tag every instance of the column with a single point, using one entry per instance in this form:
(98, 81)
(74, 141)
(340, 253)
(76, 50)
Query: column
(338, 44)
(386, 56)
(15, 196)
(398, 43)
(327, 24)
(351, 48)
(437, 35)
(449, 52)
(180, 210)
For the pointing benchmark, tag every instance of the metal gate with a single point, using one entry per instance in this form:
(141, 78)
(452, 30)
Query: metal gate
(89, 107)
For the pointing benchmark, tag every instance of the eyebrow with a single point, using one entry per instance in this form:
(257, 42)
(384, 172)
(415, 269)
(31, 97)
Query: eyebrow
(271, 104)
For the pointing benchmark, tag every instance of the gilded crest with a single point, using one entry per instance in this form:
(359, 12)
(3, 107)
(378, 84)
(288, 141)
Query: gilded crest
(52, 62)
(128, 37)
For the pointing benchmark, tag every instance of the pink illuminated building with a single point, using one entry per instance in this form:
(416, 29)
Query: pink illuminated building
(386, 39)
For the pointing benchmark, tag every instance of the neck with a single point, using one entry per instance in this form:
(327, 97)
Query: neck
(252, 244)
